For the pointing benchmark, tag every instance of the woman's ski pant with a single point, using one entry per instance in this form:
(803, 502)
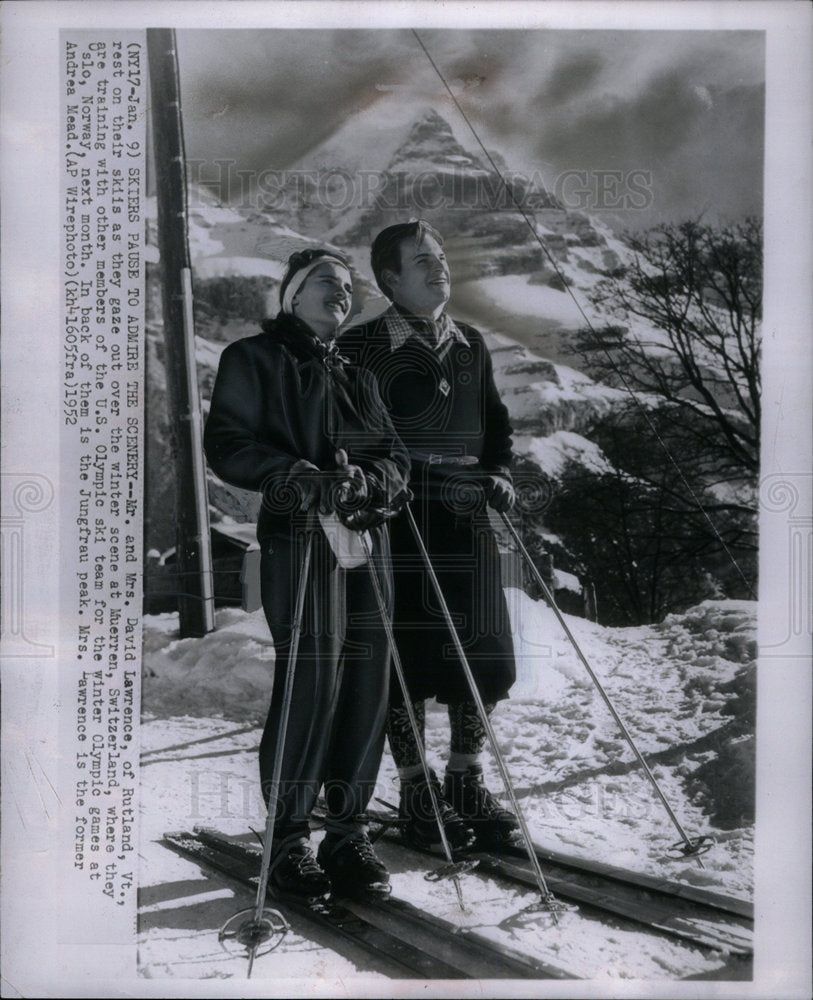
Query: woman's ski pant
(335, 733)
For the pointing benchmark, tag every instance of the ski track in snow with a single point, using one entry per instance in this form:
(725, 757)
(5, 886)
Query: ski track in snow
(577, 781)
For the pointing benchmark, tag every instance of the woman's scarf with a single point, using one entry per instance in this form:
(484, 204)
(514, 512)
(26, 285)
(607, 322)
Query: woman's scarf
(301, 341)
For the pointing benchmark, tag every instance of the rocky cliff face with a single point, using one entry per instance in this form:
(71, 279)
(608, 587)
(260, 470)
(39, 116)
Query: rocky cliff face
(482, 209)
(493, 219)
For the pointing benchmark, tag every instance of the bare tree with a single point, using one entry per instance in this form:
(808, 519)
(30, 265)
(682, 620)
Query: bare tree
(672, 519)
(688, 308)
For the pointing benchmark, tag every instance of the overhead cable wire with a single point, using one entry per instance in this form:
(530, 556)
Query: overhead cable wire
(554, 264)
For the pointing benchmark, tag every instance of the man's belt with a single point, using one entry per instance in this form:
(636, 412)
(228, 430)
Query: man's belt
(431, 458)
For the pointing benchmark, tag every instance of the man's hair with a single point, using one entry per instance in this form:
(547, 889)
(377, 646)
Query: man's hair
(385, 254)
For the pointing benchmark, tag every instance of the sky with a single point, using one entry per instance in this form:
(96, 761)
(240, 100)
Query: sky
(680, 114)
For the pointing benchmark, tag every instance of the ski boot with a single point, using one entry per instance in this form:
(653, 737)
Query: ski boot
(492, 823)
(352, 865)
(421, 829)
(295, 871)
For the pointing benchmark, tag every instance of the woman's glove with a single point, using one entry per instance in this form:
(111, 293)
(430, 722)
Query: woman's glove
(374, 507)
(330, 489)
(350, 485)
(306, 478)
(367, 516)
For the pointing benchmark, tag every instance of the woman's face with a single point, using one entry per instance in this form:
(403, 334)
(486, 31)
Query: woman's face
(324, 299)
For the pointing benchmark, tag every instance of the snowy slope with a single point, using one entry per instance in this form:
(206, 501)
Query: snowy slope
(224, 240)
(431, 146)
(684, 689)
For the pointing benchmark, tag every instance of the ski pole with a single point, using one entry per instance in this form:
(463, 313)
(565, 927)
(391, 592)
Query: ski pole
(452, 869)
(548, 898)
(253, 931)
(691, 847)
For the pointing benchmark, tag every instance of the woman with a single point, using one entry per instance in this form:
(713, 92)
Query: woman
(291, 419)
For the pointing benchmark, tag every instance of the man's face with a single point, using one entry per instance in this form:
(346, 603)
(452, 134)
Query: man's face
(423, 285)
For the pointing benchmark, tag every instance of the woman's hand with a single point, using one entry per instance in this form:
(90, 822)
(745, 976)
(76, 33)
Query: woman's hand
(341, 489)
(305, 477)
(350, 485)
(372, 505)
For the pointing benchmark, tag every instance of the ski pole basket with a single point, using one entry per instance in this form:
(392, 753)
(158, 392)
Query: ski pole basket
(690, 848)
(245, 932)
(451, 870)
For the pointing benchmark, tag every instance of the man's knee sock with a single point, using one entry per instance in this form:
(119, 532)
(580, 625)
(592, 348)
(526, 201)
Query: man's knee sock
(468, 735)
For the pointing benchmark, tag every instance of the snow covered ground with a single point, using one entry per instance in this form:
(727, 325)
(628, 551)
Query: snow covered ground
(685, 689)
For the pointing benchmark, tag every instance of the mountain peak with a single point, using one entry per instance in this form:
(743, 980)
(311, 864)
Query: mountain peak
(430, 116)
(431, 145)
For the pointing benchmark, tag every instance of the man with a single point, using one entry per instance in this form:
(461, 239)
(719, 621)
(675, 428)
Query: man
(435, 377)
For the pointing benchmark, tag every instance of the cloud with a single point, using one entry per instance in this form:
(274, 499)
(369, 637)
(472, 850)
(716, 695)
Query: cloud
(549, 100)
(574, 75)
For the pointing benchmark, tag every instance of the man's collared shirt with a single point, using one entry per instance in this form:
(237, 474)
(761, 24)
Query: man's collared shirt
(439, 335)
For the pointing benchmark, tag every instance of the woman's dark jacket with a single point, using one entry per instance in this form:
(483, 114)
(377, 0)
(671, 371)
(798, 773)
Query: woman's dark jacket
(282, 396)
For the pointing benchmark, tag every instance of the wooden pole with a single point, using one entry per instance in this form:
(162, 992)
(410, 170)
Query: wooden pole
(193, 541)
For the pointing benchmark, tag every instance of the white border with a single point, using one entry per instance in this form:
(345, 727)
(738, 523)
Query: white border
(31, 378)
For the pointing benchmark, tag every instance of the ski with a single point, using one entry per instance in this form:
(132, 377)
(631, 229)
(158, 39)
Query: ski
(408, 939)
(340, 923)
(705, 897)
(668, 907)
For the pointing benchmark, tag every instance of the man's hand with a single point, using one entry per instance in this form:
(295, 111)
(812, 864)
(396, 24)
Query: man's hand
(499, 492)
(469, 492)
